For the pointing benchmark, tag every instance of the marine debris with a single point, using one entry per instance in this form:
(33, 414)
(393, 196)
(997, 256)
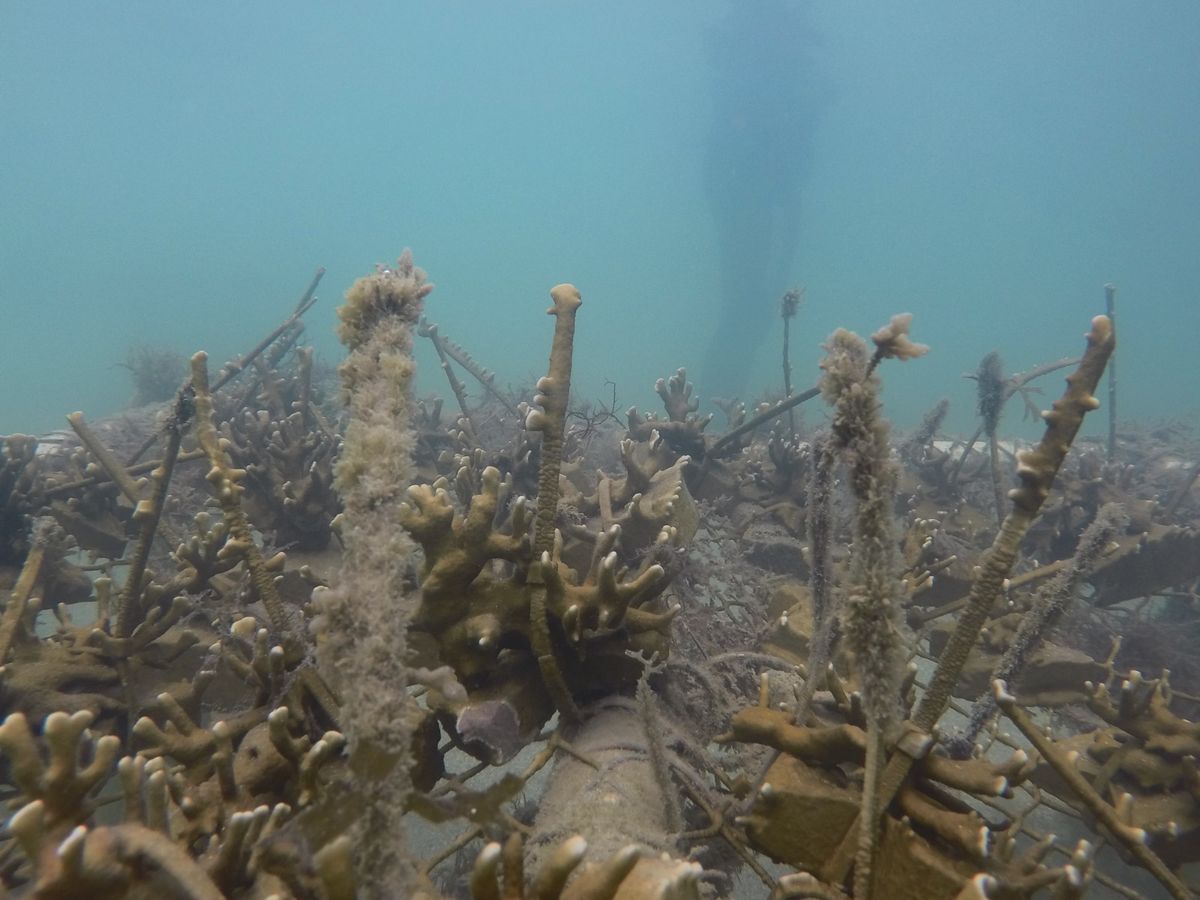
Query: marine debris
(536, 649)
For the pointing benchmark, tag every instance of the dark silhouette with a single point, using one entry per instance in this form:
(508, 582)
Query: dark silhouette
(765, 103)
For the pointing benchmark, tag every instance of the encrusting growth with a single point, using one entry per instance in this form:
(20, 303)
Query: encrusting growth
(990, 382)
(789, 305)
(554, 391)
(871, 612)
(1036, 472)
(1052, 599)
(364, 619)
(225, 481)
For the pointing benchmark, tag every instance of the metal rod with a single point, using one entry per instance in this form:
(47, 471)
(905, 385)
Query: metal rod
(1110, 305)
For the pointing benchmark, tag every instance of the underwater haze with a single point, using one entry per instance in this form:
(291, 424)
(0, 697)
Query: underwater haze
(173, 174)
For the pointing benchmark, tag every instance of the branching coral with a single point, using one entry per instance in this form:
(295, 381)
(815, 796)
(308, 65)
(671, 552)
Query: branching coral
(1114, 819)
(194, 831)
(804, 804)
(289, 469)
(554, 390)
(480, 618)
(1036, 471)
(682, 430)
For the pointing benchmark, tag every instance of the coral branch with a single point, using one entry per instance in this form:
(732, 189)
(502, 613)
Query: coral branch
(1132, 839)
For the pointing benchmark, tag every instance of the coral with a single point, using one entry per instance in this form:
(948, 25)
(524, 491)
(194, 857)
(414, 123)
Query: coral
(802, 807)
(682, 431)
(789, 305)
(1115, 819)
(554, 389)
(60, 788)
(289, 469)
(195, 831)
(148, 512)
(990, 385)
(482, 621)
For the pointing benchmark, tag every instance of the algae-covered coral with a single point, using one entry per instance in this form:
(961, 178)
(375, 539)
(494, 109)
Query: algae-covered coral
(536, 652)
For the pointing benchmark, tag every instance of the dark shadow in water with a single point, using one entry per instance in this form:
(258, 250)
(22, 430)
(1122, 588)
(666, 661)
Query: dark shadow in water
(766, 101)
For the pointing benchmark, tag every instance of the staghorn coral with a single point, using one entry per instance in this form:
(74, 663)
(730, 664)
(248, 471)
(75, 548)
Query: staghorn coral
(1115, 818)
(289, 468)
(990, 384)
(540, 635)
(789, 305)
(188, 832)
(554, 390)
(602, 609)
(1008, 873)
(803, 806)
(1036, 471)
(682, 430)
